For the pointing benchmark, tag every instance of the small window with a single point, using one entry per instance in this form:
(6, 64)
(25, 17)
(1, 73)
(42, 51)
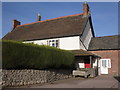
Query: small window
(56, 41)
(49, 43)
(53, 44)
(32, 42)
(56, 44)
(109, 63)
(104, 63)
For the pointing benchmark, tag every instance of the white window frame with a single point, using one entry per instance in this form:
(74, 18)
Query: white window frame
(50, 43)
(108, 62)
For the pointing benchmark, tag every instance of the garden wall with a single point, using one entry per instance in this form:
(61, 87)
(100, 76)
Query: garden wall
(30, 76)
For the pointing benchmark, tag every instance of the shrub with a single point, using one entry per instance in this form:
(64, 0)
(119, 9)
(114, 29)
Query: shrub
(18, 55)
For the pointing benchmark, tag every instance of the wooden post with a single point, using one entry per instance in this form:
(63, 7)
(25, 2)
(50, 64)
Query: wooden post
(97, 66)
(91, 61)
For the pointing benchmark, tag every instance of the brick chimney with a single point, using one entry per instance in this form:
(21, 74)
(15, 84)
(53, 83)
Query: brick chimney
(86, 11)
(39, 17)
(15, 23)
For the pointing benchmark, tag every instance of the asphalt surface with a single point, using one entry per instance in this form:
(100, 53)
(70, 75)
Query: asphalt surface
(98, 82)
(103, 81)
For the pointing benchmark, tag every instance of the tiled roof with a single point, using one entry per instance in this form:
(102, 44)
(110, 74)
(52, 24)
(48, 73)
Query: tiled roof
(82, 52)
(72, 25)
(105, 43)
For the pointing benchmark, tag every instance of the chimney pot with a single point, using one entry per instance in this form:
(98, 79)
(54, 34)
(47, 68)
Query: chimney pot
(39, 17)
(86, 11)
(15, 23)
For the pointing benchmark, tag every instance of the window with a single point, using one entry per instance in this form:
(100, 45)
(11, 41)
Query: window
(32, 42)
(50, 43)
(109, 63)
(54, 43)
(106, 63)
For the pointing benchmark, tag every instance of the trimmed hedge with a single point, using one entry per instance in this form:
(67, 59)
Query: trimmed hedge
(18, 55)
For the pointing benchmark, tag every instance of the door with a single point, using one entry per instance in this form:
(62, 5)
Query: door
(104, 66)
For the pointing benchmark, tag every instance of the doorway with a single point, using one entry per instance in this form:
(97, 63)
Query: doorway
(105, 64)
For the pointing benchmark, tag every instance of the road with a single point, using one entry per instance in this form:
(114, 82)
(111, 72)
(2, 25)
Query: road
(103, 81)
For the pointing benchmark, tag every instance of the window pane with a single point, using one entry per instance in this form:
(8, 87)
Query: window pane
(56, 41)
(104, 63)
(53, 44)
(56, 44)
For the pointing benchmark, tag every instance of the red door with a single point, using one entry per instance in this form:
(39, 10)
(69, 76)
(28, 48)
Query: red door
(87, 63)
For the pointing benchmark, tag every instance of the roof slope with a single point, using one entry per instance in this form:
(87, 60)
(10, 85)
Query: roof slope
(82, 52)
(60, 27)
(105, 43)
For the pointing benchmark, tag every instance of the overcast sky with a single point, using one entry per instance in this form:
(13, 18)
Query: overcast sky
(104, 14)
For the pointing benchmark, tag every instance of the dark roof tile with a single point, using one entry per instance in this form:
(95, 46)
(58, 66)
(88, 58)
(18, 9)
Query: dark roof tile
(105, 43)
(82, 52)
(72, 25)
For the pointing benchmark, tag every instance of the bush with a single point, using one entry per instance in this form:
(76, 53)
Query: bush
(18, 55)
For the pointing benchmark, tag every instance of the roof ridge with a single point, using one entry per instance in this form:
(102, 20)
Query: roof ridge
(51, 19)
(106, 36)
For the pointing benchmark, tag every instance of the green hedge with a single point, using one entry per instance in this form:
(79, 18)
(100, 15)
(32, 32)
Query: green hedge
(18, 55)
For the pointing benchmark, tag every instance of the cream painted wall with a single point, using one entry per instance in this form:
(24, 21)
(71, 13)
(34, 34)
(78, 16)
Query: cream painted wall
(39, 42)
(67, 43)
(95, 63)
(81, 65)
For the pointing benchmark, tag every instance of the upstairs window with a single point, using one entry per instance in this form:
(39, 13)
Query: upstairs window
(54, 43)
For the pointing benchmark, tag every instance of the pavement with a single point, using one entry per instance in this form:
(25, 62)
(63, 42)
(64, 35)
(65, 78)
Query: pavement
(103, 81)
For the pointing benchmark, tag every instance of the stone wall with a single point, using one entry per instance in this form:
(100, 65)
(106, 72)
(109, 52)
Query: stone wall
(28, 77)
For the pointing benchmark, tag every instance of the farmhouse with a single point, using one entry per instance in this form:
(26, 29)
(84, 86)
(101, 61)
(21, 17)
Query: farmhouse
(75, 33)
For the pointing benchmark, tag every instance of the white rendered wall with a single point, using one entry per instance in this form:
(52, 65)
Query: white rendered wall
(67, 43)
(39, 42)
(95, 62)
(81, 65)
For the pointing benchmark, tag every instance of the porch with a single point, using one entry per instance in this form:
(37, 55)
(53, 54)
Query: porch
(86, 62)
